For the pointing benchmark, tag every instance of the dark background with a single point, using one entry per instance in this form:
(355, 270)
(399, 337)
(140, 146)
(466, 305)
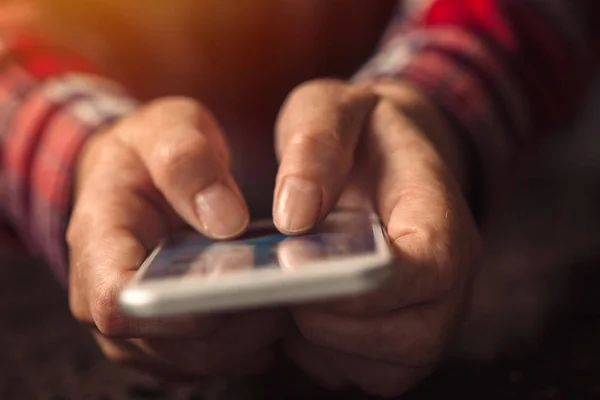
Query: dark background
(536, 304)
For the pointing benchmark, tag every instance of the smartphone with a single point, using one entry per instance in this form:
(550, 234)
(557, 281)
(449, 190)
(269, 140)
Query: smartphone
(348, 253)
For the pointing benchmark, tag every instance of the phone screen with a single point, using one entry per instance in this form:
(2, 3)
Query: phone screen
(342, 234)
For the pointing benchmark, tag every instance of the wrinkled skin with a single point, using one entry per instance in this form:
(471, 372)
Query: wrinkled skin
(185, 160)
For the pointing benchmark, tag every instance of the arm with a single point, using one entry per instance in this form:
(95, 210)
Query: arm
(46, 116)
(503, 71)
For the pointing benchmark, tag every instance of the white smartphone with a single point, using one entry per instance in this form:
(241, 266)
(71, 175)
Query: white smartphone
(347, 253)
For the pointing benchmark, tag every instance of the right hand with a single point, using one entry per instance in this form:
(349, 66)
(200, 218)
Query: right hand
(155, 171)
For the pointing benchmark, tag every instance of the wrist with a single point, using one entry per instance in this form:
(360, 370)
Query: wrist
(85, 157)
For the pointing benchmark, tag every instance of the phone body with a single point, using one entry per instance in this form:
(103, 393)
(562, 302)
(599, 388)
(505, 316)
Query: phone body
(348, 253)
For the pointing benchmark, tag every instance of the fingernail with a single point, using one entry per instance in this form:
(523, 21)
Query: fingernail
(221, 212)
(298, 205)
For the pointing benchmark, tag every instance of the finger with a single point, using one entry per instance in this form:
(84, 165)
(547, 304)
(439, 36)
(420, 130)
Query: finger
(241, 337)
(416, 202)
(412, 337)
(336, 370)
(317, 133)
(108, 241)
(188, 160)
(428, 223)
(113, 266)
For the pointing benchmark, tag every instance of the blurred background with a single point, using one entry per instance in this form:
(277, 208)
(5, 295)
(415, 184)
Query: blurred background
(533, 332)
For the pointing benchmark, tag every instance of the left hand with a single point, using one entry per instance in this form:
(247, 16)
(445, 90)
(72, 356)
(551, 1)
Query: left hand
(387, 144)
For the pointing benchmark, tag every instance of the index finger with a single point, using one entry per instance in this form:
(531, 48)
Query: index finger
(317, 133)
(186, 155)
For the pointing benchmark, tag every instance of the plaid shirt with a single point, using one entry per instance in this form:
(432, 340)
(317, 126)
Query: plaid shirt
(502, 70)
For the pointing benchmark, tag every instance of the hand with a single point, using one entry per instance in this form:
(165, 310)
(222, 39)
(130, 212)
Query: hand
(382, 143)
(151, 173)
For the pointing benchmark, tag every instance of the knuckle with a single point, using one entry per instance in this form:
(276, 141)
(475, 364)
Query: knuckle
(317, 137)
(105, 313)
(171, 156)
(328, 144)
(434, 249)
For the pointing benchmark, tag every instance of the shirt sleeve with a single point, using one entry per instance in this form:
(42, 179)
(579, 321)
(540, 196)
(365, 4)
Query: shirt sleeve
(46, 114)
(504, 71)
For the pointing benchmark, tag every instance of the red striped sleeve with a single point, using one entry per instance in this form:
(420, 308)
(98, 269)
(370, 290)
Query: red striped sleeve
(504, 71)
(46, 115)
(549, 47)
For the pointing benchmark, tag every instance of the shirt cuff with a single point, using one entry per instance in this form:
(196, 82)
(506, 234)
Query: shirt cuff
(455, 69)
(47, 134)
